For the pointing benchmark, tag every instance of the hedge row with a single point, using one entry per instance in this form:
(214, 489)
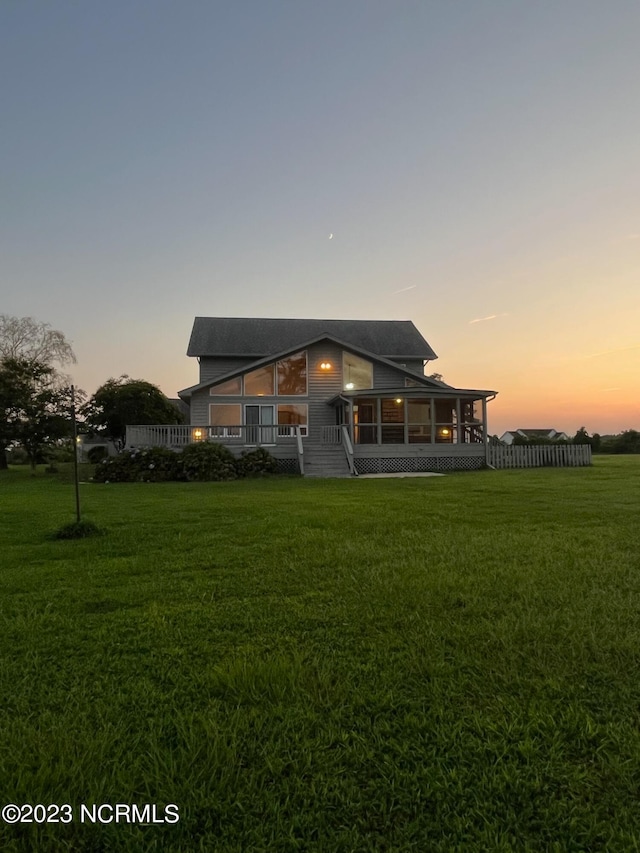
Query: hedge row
(197, 462)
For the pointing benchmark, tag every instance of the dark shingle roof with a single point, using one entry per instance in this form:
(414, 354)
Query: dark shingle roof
(256, 337)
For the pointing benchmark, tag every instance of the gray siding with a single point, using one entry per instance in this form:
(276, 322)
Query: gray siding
(415, 365)
(211, 368)
(200, 406)
(321, 386)
(387, 377)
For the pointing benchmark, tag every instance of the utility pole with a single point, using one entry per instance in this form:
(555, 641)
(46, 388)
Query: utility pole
(75, 452)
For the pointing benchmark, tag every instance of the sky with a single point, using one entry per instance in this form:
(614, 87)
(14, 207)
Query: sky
(477, 165)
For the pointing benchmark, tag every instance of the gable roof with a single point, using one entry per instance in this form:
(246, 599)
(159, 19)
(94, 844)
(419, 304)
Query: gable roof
(534, 433)
(257, 337)
(425, 380)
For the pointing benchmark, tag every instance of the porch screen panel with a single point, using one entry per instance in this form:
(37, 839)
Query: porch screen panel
(365, 420)
(419, 421)
(392, 417)
(446, 420)
(471, 418)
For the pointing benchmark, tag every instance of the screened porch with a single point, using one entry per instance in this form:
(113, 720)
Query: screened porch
(408, 416)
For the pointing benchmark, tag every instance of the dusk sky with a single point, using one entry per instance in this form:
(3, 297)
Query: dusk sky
(477, 164)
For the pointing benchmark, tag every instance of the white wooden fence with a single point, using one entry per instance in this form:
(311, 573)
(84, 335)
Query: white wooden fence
(539, 456)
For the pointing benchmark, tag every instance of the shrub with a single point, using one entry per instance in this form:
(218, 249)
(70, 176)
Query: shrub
(159, 465)
(117, 469)
(152, 465)
(97, 454)
(78, 530)
(208, 461)
(60, 452)
(256, 463)
(17, 456)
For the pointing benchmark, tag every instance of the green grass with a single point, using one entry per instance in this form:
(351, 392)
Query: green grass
(437, 664)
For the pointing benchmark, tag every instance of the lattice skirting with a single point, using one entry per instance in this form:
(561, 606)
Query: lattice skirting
(417, 464)
(288, 466)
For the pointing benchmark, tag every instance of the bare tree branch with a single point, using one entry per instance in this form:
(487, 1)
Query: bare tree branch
(27, 339)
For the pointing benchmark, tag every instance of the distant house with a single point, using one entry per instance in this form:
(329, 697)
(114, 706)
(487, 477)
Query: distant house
(533, 434)
(85, 443)
(326, 398)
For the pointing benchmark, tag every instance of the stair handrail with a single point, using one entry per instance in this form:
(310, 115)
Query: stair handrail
(300, 449)
(348, 449)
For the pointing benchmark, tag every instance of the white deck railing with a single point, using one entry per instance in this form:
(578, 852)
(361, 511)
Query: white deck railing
(180, 436)
(539, 456)
(332, 434)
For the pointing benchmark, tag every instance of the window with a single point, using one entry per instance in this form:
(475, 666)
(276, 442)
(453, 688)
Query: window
(292, 375)
(290, 415)
(231, 386)
(357, 373)
(260, 382)
(225, 420)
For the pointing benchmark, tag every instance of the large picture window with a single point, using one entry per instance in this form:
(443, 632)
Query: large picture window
(292, 375)
(357, 373)
(291, 415)
(260, 382)
(228, 388)
(225, 420)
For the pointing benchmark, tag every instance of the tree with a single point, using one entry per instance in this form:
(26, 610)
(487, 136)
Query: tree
(26, 339)
(627, 442)
(581, 437)
(124, 401)
(34, 406)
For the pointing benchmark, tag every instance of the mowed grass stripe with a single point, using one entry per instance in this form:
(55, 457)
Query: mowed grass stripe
(420, 664)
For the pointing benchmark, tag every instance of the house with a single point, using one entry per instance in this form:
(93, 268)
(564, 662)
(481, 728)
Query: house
(326, 398)
(533, 435)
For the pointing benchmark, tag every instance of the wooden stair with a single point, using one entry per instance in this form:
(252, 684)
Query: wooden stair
(325, 461)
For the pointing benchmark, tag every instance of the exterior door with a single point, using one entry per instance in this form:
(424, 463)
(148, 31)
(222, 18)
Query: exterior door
(260, 424)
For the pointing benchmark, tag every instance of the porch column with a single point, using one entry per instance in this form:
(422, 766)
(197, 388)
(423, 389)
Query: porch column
(379, 420)
(352, 428)
(432, 404)
(485, 431)
(459, 431)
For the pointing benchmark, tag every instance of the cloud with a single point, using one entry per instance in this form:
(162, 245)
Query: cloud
(490, 317)
(610, 351)
(626, 238)
(404, 289)
(612, 389)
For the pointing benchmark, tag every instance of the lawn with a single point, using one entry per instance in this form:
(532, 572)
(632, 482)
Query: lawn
(430, 664)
